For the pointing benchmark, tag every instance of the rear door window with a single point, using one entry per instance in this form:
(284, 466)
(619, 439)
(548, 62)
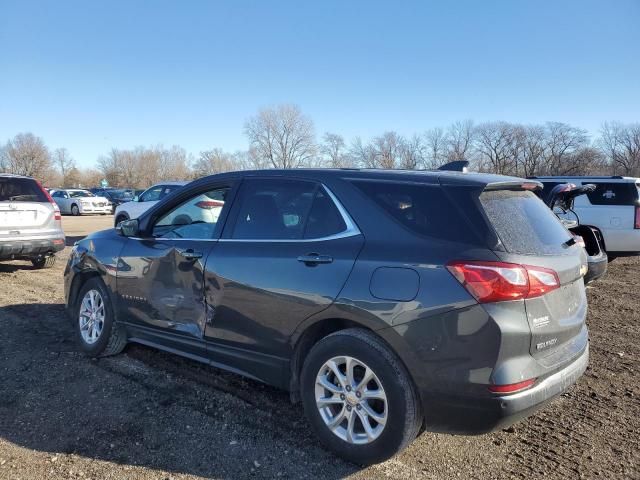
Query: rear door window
(423, 209)
(20, 190)
(524, 224)
(279, 209)
(613, 193)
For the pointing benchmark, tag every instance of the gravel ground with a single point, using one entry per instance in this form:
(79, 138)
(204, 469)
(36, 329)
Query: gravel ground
(150, 415)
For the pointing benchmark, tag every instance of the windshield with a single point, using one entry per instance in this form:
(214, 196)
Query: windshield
(121, 194)
(80, 193)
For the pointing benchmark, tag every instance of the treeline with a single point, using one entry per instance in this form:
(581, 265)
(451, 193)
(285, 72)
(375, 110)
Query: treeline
(283, 137)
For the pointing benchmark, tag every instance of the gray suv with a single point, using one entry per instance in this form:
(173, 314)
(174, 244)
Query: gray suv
(387, 302)
(30, 222)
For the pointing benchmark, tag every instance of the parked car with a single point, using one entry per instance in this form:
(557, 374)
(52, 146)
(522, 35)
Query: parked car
(613, 208)
(561, 199)
(144, 201)
(75, 201)
(117, 196)
(386, 301)
(30, 222)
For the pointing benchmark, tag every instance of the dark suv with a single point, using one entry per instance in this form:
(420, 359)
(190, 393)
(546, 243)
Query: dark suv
(386, 301)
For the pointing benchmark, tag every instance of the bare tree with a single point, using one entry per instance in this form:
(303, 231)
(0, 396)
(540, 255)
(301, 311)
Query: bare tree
(412, 153)
(63, 161)
(283, 136)
(26, 154)
(362, 155)
(334, 151)
(386, 150)
(563, 141)
(621, 143)
(435, 148)
(213, 161)
(532, 151)
(460, 137)
(495, 144)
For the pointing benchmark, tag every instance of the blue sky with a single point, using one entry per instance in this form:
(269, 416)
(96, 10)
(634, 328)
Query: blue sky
(94, 75)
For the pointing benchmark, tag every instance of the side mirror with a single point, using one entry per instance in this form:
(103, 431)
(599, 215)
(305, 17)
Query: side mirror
(128, 228)
(136, 199)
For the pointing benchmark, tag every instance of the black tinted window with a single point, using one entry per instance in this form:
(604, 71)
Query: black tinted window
(324, 218)
(524, 224)
(276, 209)
(614, 194)
(20, 190)
(423, 209)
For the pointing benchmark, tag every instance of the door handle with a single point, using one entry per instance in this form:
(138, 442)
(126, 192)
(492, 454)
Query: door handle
(189, 254)
(312, 259)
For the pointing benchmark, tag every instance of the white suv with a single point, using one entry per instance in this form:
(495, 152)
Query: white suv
(144, 201)
(613, 207)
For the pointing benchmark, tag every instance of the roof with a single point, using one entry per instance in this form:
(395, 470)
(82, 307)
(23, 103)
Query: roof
(13, 175)
(422, 176)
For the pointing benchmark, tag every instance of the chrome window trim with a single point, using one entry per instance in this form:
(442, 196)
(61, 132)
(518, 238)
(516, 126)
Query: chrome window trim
(352, 230)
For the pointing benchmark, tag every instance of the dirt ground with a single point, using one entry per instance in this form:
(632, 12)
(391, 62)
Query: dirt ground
(151, 415)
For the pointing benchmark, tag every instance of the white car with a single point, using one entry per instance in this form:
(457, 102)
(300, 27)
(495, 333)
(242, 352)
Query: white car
(613, 208)
(79, 202)
(145, 200)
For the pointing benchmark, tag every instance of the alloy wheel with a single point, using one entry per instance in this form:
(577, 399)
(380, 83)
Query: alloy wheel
(91, 317)
(351, 400)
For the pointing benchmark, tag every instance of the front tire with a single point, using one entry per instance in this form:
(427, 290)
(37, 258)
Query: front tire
(75, 211)
(359, 398)
(120, 219)
(97, 332)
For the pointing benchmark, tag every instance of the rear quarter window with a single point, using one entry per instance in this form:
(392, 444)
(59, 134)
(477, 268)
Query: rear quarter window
(614, 194)
(20, 190)
(423, 209)
(524, 224)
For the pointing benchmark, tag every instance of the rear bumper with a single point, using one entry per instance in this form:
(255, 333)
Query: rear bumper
(16, 249)
(597, 267)
(482, 415)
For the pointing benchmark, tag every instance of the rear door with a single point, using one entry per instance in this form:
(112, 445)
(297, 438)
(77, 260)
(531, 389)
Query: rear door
(286, 253)
(25, 211)
(530, 234)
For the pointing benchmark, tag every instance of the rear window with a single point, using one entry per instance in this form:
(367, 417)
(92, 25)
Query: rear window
(423, 209)
(614, 194)
(20, 190)
(523, 223)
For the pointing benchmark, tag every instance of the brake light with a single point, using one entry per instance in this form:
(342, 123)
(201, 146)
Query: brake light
(637, 224)
(492, 282)
(512, 387)
(208, 205)
(56, 209)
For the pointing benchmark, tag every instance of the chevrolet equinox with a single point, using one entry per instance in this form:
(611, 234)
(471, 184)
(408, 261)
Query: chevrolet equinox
(387, 302)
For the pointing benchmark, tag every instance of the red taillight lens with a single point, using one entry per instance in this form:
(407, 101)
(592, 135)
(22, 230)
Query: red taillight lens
(637, 224)
(56, 214)
(208, 205)
(512, 387)
(492, 282)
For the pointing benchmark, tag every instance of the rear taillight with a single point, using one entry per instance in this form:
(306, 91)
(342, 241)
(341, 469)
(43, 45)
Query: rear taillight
(492, 282)
(56, 209)
(208, 205)
(637, 224)
(512, 387)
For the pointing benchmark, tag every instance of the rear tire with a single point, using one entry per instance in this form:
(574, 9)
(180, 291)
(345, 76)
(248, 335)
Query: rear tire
(44, 262)
(96, 330)
(75, 211)
(393, 399)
